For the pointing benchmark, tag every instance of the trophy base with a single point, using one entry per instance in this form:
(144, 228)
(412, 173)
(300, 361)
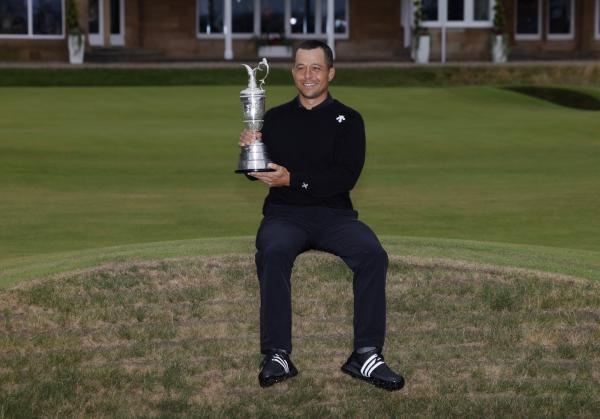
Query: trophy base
(254, 158)
(254, 170)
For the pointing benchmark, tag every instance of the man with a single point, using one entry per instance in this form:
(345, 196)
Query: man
(319, 146)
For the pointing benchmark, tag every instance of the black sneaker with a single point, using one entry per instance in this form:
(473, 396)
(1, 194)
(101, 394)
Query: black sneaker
(276, 366)
(371, 367)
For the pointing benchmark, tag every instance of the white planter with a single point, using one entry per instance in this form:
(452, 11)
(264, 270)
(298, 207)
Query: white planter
(421, 52)
(275, 51)
(76, 48)
(499, 49)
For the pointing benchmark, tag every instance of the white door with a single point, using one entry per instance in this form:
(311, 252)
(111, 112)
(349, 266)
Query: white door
(96, 22)
(117, 22)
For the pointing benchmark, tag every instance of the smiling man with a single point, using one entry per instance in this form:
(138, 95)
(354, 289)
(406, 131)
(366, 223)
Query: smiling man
(319, 146)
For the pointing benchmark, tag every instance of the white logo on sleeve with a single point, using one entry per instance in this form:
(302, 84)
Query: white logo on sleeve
(304, 185)
(340, 118)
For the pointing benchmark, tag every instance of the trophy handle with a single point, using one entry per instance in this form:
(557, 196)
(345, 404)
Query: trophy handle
(264, 66)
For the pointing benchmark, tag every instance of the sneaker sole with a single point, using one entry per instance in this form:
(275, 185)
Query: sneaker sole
(375, 381)
(270, 381)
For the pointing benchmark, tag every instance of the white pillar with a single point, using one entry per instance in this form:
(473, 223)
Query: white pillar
(227, 29)
(330, 29)
(443, 19)
(287, 10)
(257, 28)
(407, 16)
(319, 17)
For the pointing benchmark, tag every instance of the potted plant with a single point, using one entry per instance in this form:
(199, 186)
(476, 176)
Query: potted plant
(421, 39)
(75, 35)
(273, 46)
(499, 38)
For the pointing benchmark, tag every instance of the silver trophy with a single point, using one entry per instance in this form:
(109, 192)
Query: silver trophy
(254, 157)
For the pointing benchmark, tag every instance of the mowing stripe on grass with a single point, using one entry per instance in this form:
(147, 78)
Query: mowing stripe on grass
(571, 262)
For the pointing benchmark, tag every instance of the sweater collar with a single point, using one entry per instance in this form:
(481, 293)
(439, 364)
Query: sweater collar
(328, 101)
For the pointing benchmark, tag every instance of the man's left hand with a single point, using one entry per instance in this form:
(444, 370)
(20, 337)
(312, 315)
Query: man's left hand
(280, 177)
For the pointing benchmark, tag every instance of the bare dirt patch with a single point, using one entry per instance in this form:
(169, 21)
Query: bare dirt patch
(180, 338)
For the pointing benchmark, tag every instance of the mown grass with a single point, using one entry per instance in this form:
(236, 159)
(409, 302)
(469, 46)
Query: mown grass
(179, 338)
(84, 168)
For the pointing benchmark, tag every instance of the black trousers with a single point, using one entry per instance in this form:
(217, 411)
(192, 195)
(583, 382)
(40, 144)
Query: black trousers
(287, 231)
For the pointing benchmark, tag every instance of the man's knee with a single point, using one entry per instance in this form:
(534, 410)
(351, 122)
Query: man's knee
(274, 262)
(276, 250)
(373, 254)
(378, 253)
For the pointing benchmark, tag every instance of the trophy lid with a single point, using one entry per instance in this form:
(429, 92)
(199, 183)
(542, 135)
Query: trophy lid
(252, 87)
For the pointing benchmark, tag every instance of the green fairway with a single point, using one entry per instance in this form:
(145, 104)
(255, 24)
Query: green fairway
(83, 168)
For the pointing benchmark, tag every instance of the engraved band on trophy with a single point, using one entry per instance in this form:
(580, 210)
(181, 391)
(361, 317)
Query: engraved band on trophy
(254, 157)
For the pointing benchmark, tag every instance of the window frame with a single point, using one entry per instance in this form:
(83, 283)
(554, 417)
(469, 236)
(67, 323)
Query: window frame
(30, 34)
(468, 22)
(529, 37)
(559, 36)
(287, 27)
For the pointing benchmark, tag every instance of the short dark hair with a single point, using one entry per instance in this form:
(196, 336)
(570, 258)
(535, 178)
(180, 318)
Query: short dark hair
(313, 44)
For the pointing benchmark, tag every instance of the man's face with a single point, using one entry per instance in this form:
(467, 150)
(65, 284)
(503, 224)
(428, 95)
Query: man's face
(311, 74)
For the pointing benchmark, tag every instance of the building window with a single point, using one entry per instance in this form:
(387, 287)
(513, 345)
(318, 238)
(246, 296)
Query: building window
(458, 13)
(481, 9)
(528, 17)
(340, 16)
(272, 16)
(310, 17)
(13, 17)
(211, 16)
(32, 19)
(456, 10)
(47, 17)
(94, 17)
(303, 16)
(560, 19)
(430, 10)
(242, 16)
(291, 18)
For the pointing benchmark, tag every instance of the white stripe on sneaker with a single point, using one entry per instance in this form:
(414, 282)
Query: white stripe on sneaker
(370, 370)
(372, 359)
(279, 359)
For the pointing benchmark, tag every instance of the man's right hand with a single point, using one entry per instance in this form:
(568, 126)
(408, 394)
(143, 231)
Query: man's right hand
(249, 136)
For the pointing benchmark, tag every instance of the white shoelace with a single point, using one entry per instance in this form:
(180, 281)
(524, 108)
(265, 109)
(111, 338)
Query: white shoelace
(370, 364)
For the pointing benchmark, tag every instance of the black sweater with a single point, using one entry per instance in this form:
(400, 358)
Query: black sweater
(322, 148)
